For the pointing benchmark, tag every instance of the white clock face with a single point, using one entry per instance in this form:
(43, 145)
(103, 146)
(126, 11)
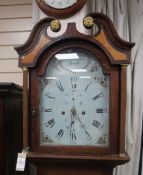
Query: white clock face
(74, 101)
(60, 4)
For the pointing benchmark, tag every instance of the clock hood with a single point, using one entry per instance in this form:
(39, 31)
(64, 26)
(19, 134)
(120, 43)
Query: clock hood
(106, 39)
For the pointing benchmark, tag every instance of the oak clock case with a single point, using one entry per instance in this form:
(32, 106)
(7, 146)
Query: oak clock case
(77, 99)
(60, 8)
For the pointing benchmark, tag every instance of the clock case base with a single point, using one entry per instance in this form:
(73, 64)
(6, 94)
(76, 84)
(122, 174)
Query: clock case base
(118, 53)
(99, 165)
(69, 169)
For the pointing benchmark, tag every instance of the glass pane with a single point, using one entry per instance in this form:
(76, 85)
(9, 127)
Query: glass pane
(74, 101)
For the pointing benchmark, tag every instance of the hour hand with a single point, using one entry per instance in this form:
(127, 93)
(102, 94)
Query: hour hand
(72, 120)
(73, 114)
(72, 131)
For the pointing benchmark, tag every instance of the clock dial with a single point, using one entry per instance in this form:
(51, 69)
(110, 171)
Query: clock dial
(74, 101)
(60, 8)
(60, 4)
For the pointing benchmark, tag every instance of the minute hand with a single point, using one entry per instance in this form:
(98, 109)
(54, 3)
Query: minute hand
(82, 125)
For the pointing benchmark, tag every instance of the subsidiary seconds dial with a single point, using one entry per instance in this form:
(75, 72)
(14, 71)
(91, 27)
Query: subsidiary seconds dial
(74, 105)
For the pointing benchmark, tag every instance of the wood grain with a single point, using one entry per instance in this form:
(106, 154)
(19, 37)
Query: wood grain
(25, 109)
(116, 54)
(123, 109)
(31, 57)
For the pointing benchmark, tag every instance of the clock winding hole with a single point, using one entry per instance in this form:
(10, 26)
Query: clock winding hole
(63, 113)
(83, 112)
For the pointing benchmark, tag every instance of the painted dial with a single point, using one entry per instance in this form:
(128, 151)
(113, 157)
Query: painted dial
(74, 100)
(60, 4)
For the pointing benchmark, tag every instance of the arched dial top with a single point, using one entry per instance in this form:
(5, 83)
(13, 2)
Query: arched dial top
(74, 100)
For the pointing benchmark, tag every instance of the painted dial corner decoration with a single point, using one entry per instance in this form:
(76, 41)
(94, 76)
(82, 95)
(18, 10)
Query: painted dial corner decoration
(74, 101)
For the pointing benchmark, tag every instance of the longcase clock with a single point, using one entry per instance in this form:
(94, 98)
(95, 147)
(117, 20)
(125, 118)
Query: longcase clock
(74, 116)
